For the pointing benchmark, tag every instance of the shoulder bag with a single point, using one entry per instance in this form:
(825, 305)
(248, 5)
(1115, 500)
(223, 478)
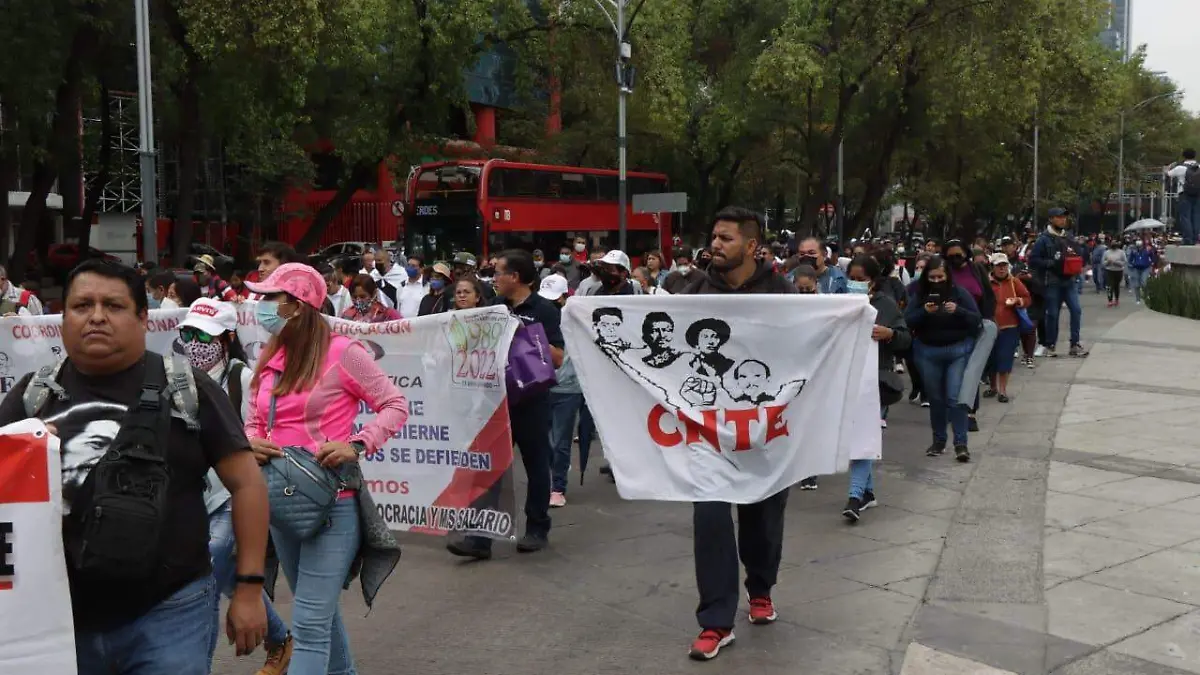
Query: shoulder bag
(1024, 323)
(301, 491)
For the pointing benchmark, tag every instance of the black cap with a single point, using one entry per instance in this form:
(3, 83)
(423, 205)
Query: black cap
(1056, 212)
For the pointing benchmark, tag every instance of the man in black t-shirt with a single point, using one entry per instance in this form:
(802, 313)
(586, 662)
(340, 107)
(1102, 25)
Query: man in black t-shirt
(162, 623)
(529, 419)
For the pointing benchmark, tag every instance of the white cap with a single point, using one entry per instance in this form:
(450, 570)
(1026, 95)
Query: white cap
(553, 287)
(211, 316)
(618, 258)
(998, 259)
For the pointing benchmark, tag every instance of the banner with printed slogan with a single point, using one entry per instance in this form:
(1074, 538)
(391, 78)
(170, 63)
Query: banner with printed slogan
(449, 469)
(37, 636)
(726, 397)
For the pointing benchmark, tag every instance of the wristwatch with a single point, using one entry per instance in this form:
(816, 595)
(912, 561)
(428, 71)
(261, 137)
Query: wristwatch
(359, 447)
(250, 579)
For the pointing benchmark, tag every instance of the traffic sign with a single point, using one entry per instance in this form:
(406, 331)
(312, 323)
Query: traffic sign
(662, 202)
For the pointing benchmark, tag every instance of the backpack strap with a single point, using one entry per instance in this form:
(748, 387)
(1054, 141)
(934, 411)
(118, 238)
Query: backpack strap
(181, 388)
(39, 389)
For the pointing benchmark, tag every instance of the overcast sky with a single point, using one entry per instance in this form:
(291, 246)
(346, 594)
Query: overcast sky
(1169, 29)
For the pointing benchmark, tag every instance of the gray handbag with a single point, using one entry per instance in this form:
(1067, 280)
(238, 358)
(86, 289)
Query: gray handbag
(301, 492)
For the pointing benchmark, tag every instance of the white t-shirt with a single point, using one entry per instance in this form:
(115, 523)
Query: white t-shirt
(1179, 172)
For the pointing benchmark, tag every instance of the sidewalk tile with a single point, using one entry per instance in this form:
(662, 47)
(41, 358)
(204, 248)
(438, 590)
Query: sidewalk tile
(1066, 477)
(1108, 662)
(1173, 644)
(888, 565)
(1074, 554)
(1144, 491)
(873, 616)
(1173, 574)
(1099, 615)
(1152, 526)
(921, 660)
(913, 588)
(1069, 510)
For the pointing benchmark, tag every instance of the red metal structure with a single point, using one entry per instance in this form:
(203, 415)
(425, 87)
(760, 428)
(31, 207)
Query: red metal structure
(374, 214)
(484, 206)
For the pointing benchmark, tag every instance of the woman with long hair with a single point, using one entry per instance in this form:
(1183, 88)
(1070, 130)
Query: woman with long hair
(944, 321)
(468, 292)
(654, 264)
(208, 336)
(367, 306)
(306, 392)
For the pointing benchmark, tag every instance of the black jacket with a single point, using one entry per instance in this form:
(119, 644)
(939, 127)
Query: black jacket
(435, 304)
(942, 328)
(764, 280)
(887, 313)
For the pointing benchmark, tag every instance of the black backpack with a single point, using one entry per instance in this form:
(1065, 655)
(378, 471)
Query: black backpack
(1191, 180)
(124, 497)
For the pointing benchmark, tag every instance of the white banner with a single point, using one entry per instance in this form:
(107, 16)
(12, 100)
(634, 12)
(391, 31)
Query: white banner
(447, 469)
(726, 397)
(36, 631)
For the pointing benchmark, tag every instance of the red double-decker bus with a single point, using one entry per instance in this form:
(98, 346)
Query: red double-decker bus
(485, 206)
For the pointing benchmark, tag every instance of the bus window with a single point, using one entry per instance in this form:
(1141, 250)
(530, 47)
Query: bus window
(579, 186)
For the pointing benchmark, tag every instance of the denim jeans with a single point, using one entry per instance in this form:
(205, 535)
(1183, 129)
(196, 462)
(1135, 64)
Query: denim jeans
(224, 563)
(1137, 279)
(862, 478)
(1098, 278)
(1056, 294)
(1189, 218)
(173, 638)
(563, 408)
(942, 371)
(315, 569)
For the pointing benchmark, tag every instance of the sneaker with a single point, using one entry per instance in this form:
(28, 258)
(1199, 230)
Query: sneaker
(972, 423)
(532, 543)
(853, 510)
(924, 404)
(936, 450)
(1029, 362)
(809, 483)
(1052, 352)
(278, 658)
(1040, 351)
(1111, 304)
(900, 367)
(989, 393)
(882, 424)
(557, 500)
(762, 611)
(914, 397)
(606, 469)
(471, 547)
(868, 501)
(1003, 398)
(962, 454)
(1078, 350)
(710, 642)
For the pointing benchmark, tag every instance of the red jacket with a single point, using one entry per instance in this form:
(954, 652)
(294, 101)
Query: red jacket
(1006, 315)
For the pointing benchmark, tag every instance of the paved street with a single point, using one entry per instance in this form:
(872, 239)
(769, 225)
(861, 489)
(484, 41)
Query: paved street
(1067, 546)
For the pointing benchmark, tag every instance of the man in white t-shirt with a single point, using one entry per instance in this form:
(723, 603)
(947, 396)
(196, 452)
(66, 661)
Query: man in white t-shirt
(1187, 173)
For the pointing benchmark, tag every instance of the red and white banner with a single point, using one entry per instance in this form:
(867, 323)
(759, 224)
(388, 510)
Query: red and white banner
(36, 633)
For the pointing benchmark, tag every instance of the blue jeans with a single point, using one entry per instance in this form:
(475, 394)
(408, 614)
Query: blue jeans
(1056, 294)
(173, 638)
(1098, 278)
(862, 478)
(315, 569)
(224, 562)
(563, 408)
(942, 371)
(1189, 218)
(1137, 279)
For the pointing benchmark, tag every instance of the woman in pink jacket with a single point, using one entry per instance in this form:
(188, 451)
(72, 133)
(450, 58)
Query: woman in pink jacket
(315, 380)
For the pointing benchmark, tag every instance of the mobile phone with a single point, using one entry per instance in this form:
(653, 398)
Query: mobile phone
(935, 298)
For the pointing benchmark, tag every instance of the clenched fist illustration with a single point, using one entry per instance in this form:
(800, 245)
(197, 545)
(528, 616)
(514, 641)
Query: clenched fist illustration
(698, 391)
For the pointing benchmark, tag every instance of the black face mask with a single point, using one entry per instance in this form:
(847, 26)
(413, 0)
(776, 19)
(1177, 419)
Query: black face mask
(956, 260)
(607, 277)
(806, 291)
(487, 271)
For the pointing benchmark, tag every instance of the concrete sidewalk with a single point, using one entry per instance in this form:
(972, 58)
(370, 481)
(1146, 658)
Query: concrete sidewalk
(947, 576)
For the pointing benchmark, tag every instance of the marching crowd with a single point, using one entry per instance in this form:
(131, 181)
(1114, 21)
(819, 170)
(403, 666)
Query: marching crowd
(150, 555)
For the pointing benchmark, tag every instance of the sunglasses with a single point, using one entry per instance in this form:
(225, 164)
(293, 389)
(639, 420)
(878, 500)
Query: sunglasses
(196, 335)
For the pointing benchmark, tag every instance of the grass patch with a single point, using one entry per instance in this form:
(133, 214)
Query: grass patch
(1173, 293)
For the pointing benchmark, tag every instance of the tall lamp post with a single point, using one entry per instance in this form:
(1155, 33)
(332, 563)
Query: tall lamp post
(146, 133)
(1121, 159)
(622, 23)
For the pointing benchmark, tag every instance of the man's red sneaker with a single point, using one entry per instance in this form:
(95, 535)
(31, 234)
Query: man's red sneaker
(762, 611)
(709, 644)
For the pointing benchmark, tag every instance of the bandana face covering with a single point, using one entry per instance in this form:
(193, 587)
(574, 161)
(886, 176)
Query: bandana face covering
(204, 356)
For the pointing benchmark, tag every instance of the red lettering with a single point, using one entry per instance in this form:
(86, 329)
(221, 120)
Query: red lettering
(656, 431)
(741, 420)
(705, 430)
(776, 425)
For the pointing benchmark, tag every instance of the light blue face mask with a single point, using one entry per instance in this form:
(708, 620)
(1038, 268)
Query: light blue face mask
(153, 302)
(267, 314)
(862, 287)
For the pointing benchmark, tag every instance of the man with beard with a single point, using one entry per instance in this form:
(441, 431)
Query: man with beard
(736, 235)
(658, 331)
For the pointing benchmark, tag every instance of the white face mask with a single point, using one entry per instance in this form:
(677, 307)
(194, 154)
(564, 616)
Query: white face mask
(579, 248)
(168, 303)
(683, 269)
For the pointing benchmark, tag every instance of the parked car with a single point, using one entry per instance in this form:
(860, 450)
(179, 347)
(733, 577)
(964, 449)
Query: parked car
(344, 255)
(223, 262)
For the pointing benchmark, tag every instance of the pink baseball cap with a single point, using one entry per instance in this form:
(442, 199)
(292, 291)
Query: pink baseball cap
(299, 280)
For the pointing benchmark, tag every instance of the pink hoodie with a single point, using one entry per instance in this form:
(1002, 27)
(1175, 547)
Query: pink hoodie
(327, 411)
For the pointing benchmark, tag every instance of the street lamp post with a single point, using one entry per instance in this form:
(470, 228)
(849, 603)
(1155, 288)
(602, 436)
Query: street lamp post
(1121, 158)
(146, 133)
(621, 24)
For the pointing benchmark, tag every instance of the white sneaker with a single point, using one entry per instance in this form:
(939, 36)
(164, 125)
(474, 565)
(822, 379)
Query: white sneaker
(882, 424)
(1040, 351)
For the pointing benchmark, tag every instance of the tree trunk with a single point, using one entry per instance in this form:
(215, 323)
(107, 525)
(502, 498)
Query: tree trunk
(31, 219)
(103, 173)
(190, 141)
(8, 180)
(359, 176)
